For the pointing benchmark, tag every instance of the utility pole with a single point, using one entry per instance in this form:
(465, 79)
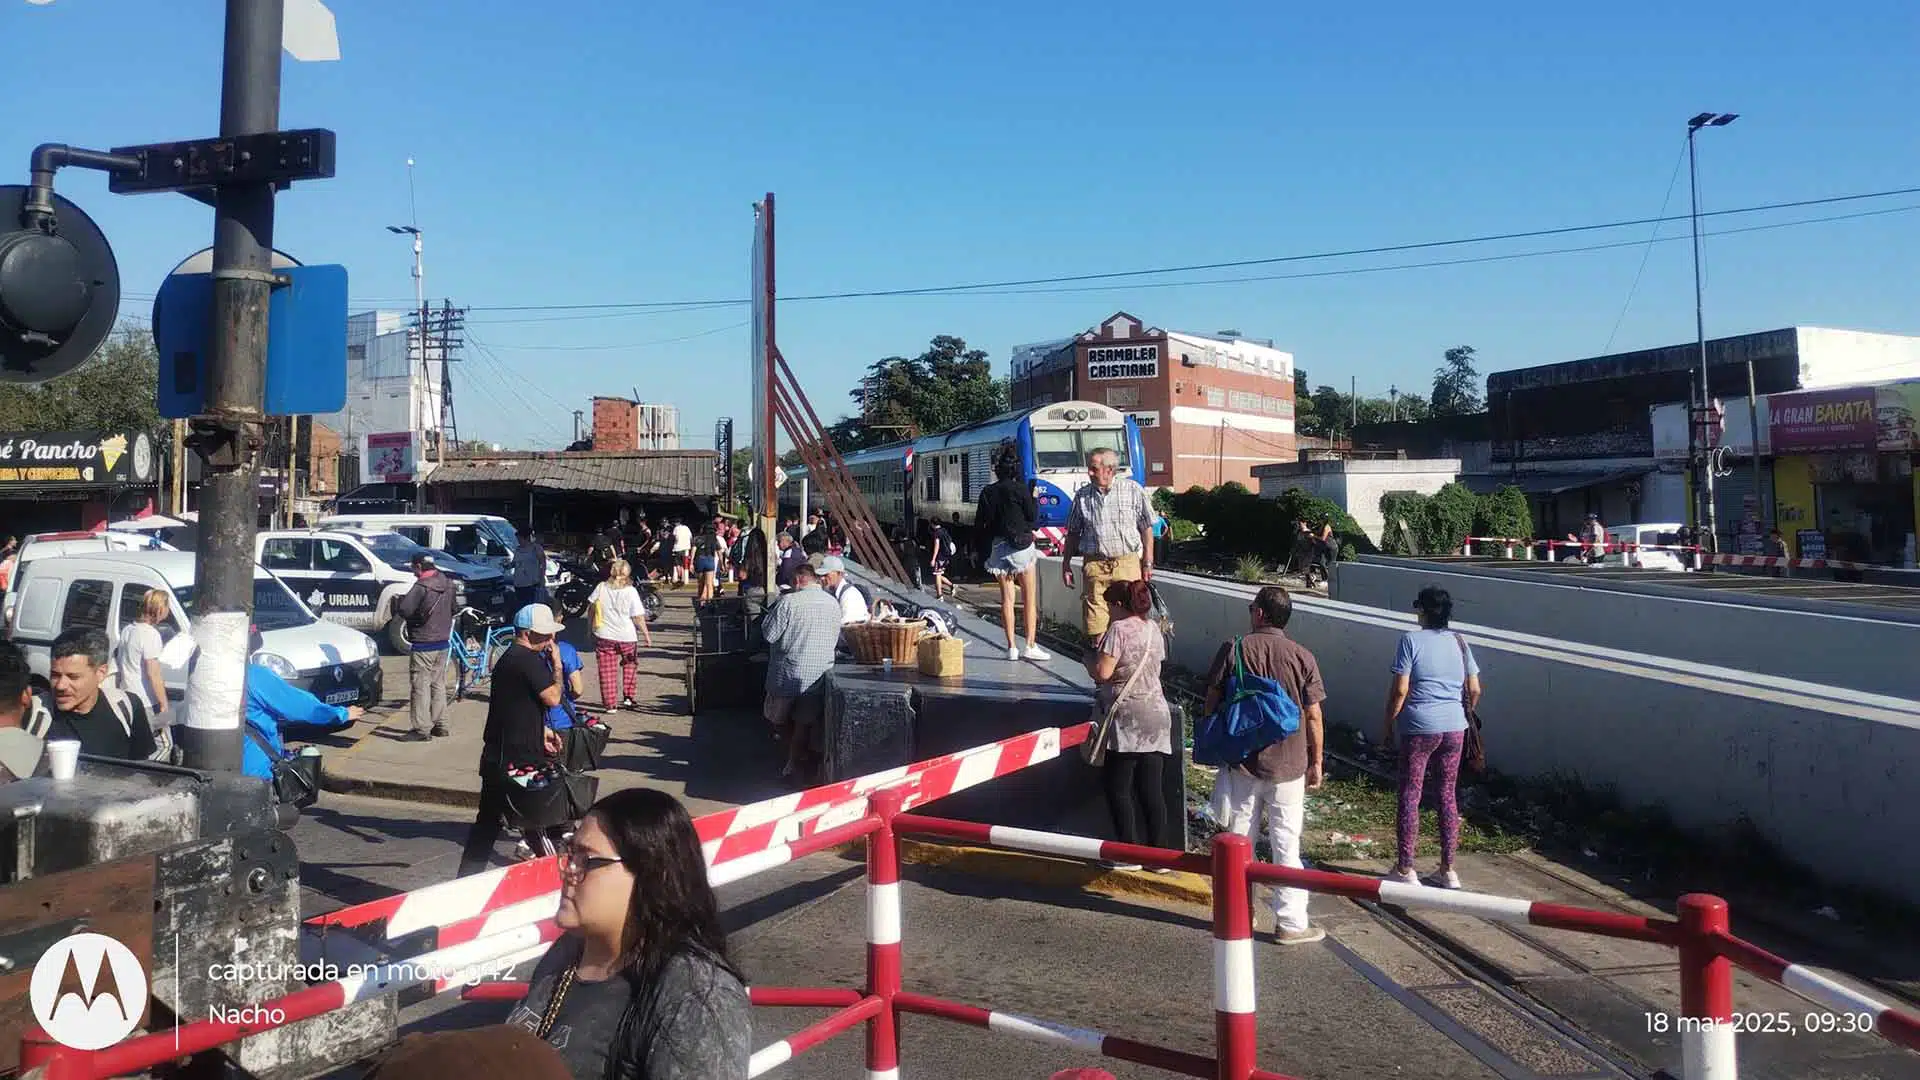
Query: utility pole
(1705, 456)
(1354, 398)
(178, 500)
(231, 429)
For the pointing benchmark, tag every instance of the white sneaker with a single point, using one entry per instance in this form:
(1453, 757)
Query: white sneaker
(1124, 866)
(1404, 877)
(1013, 653)
(1448, 880)
(1035, 652)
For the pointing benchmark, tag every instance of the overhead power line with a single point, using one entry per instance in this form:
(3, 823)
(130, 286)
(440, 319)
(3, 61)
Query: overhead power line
(1385, 249)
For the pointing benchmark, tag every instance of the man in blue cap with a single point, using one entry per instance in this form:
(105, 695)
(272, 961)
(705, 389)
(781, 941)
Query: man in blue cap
(527, 682)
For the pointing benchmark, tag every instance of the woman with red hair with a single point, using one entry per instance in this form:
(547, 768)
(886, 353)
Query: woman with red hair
(1139, 735)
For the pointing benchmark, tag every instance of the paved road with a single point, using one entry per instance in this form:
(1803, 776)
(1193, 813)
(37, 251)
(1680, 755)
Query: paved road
(1373, 1000)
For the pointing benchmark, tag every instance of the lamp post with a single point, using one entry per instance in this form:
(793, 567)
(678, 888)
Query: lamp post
(1705, 463)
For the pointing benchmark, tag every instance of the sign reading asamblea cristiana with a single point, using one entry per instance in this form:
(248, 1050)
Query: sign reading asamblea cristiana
(1123, 362)
(75, 458)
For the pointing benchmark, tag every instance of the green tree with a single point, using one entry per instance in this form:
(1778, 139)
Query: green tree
(945, 387)
(1306, 418)
(1456, 384)
(115, 390)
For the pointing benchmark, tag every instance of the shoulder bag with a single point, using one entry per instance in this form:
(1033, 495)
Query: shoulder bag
(1255, 712)
(1474, 754)
(1094, 750)
(296, 778)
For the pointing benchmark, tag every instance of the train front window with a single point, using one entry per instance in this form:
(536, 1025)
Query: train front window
(1055, 451)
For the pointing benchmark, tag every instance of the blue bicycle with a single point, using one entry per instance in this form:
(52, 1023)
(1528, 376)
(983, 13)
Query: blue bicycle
(475, 646)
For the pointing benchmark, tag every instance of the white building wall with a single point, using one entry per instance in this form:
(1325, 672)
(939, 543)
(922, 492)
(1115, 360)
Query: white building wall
(388, 387)
(1357, 486)
(1831, 357)
(1250, 357)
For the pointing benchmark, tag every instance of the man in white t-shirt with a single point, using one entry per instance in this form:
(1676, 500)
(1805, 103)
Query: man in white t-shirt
(682, 552)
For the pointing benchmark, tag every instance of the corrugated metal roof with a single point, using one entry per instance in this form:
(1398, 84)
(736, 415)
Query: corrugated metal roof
(684, 473)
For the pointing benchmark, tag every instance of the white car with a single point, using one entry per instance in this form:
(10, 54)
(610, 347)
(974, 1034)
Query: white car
(104, 591)
(355, 577)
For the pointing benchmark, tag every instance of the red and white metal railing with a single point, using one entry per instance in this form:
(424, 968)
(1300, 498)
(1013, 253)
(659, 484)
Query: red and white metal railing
(518, 930)
(1693, 555)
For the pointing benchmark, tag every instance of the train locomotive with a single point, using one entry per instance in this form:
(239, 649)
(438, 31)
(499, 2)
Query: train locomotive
(940, 476)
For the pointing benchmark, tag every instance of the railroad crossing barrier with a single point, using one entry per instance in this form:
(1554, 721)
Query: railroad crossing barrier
(1696, 556)
(505, 930)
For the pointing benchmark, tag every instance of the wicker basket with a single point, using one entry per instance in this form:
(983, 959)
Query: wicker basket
(873, 642)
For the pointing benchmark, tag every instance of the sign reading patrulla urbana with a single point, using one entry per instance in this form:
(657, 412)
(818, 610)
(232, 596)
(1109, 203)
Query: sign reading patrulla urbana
(69, 458)
(1843, 418)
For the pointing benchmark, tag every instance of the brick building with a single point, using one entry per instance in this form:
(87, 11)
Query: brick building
(1210, 406)
(626, 424)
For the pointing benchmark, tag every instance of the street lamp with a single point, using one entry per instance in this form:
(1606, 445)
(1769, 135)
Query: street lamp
(1707, 119)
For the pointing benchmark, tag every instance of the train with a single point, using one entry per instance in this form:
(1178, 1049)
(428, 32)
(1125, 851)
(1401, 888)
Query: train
(940, 477)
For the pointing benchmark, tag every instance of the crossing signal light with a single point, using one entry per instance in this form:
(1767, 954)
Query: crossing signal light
(59, 288)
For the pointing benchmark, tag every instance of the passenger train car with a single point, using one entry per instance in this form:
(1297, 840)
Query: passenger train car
(941, 476)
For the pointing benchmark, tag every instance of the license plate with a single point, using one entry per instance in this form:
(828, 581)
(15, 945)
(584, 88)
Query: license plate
(343, 697)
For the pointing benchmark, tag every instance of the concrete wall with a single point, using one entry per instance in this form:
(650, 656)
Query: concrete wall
(1823, 772)
(1834, 644)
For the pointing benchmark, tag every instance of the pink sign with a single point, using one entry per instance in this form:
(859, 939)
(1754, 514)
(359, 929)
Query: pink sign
(1839, 419)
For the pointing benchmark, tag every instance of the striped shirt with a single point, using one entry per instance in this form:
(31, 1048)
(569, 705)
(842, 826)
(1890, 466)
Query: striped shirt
(1109, 524)
(801, 630)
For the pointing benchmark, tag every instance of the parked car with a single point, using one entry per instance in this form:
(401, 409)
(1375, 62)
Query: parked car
(474, 538)
(355, 577)
(104, 591)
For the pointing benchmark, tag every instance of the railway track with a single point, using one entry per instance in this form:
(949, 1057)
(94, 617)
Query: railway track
(1562, 1038)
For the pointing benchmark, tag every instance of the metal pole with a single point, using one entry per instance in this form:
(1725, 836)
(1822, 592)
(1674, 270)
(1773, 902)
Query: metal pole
(769, 494)
(1700, 335)
(236, 382)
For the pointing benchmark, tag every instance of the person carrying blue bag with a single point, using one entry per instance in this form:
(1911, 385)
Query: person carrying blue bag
(1263, 728)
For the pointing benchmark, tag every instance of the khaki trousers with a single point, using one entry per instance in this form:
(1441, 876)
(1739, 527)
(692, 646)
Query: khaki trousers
(1100, 573)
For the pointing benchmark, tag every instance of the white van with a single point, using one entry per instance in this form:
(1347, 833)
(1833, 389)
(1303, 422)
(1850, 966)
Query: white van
(104, 591)
(355, 577)
(1641, 538)
(475, 538)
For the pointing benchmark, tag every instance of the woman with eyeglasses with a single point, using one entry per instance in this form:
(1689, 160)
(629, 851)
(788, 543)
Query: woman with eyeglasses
(640, 986)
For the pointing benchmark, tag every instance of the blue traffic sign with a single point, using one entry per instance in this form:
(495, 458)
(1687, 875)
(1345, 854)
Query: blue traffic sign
(306, 342)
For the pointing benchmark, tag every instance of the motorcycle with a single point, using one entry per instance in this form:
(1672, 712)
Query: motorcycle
(578, 578)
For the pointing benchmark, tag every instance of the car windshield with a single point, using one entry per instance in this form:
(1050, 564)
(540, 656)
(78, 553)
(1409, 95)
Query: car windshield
(1069, 449)
(393, 549)
(274, 607)
(503, 532)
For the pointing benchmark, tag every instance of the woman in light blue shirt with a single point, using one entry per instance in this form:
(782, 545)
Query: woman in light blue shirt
(1435, 682)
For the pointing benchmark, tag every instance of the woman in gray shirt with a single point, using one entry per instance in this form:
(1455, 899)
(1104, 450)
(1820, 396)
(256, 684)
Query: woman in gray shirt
(640, 987)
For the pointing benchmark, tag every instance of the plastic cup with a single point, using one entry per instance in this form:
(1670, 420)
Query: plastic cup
(886, 663)
(63, 758)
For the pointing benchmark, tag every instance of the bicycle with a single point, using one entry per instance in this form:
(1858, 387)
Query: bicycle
(475, 647)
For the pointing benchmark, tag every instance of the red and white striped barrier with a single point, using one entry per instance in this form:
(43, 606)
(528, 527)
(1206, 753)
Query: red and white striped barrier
(1892, 1023)
(1782, 561)
(772, 1057)
(1233, 983)
(883, 938)
(762, 831)
(729, 834)
(1048, 1031)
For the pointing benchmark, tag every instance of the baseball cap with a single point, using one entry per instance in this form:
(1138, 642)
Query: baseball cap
(423, 559)
(538, 619)
(833, 564)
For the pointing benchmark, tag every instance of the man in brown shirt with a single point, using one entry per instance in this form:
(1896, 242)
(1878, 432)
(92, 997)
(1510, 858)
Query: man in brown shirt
(1276, 780)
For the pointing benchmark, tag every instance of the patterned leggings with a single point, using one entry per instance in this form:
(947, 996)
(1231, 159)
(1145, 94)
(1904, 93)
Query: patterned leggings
(1416, 751)
(614, 659)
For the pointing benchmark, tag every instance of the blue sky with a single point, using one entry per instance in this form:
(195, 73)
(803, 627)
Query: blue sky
(600, 153)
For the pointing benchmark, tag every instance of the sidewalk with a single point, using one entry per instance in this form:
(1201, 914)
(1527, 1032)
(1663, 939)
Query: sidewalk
(721, 760)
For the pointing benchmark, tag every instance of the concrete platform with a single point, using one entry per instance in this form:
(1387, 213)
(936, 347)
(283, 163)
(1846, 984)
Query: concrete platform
(878, 719)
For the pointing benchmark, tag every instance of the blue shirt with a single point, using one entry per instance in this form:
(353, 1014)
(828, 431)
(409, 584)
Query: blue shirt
(272, 701)
(1436, 678)
(557, 717)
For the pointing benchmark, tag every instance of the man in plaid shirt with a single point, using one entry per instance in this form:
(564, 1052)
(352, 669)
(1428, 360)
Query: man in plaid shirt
(1111, 528)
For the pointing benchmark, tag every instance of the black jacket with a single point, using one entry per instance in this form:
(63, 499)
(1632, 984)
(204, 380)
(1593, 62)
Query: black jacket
(1007, 512)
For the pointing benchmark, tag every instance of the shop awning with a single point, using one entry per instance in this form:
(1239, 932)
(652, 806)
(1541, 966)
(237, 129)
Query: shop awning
(1548, 483)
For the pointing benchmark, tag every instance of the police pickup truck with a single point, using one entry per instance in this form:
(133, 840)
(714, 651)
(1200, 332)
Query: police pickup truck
(355, 577)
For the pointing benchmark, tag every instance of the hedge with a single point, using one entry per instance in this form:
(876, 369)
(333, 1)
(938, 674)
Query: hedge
(1239, 521)
(1439, 522)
